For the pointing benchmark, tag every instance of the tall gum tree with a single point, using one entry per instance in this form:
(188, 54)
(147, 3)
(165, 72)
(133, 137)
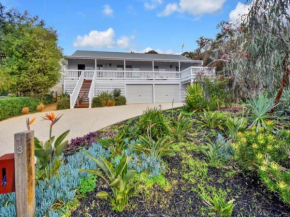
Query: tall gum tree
(267, 36)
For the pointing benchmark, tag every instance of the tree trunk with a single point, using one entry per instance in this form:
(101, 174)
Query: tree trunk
(284, 81)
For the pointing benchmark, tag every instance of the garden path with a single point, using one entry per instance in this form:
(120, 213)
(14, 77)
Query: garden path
(79, 121)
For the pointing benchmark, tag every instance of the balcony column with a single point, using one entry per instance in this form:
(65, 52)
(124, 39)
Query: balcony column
(124, 68)
(179, 66)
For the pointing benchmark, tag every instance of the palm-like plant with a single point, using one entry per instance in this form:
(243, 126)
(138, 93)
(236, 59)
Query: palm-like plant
(157, 149)
(235, 125)
(181, 126)
(117, 178)
(212, 119)
(116, 144)
(259, 110)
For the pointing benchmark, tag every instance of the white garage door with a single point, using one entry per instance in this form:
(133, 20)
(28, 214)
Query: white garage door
(139, 93)
(167, 93)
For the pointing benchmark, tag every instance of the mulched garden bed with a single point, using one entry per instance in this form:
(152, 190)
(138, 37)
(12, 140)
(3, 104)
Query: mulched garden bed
(251, 196)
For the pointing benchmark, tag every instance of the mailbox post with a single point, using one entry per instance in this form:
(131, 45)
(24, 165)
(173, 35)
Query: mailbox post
(24, 173)
(17, 173)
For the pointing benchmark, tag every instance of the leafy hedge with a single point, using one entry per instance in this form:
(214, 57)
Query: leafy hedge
(120, 100)
(97, 102)
(63, 103)
(12, 106)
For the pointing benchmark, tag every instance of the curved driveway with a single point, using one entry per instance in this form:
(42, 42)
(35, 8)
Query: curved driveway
(79, 121)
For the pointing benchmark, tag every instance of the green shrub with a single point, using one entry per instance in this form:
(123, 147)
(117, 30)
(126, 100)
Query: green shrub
(116, 93)
(64, 95)
(48, 98)
(154, 123)
(97, 102)
(216, 93)
(88, 184)
(194, 98)
(63, 103)
(120, 100)
(207, 94)
(265, 154)
(12, 106)
(105, 96)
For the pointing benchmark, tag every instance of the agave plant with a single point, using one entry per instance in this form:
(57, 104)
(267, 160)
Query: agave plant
(117, 178)
(157, 149)
(259, 110)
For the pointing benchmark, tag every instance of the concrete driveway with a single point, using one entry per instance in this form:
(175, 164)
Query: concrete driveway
(78, 121)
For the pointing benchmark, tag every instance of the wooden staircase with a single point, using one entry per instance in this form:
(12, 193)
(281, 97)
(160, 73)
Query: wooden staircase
(83, 99)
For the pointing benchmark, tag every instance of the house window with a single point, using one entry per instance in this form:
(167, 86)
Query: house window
(100, 66)
(156, 68)
(129, 67)
(120, 67)
(177, 68)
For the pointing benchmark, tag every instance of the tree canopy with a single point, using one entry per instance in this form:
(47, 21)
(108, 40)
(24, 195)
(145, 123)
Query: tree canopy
(151, 52)
(30, 56)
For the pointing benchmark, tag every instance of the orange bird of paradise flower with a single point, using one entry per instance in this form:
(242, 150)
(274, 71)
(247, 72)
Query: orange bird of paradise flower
(29, 122)
(51, 117)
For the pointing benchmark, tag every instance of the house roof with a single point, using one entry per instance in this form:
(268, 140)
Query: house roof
(82, 54)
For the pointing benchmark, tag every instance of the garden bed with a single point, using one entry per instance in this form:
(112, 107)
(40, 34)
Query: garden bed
(187, 173)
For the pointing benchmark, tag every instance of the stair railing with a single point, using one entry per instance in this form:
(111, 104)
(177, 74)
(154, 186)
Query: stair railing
(92, 90)
(76, 91)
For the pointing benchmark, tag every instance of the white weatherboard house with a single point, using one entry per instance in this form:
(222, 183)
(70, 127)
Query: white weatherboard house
(142, 78)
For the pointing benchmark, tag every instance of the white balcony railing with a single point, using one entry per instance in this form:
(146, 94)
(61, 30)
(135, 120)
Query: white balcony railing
(75, 93)
(192, 72)
(189, 73)
(122, 75)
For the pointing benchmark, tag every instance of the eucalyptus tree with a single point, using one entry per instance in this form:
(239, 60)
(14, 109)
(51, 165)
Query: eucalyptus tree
(267, 45)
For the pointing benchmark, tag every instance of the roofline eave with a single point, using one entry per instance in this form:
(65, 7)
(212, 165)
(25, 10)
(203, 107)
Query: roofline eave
(134, 59)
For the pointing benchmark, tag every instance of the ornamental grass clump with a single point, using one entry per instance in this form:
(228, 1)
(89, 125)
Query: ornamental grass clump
(154, 121)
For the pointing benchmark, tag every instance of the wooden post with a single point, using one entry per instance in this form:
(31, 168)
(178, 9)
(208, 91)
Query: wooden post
(24, 173)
